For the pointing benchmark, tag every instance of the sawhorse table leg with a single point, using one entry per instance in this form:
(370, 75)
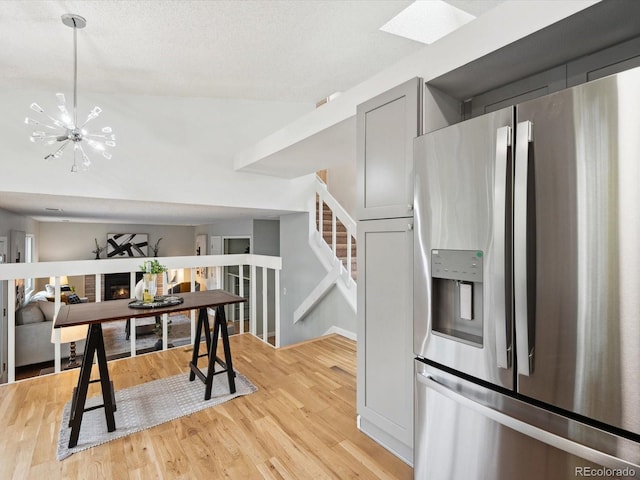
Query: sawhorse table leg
(94, 345)
(219, 330)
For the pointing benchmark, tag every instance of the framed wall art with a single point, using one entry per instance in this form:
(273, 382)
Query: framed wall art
(127, 245)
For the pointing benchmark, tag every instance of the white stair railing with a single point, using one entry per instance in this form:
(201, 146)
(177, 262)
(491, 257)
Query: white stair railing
(338, 213)
(338, 274)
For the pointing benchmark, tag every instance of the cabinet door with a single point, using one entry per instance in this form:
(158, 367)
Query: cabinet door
(385, 331)
(538, 85)
(386, 127)
(609, 61)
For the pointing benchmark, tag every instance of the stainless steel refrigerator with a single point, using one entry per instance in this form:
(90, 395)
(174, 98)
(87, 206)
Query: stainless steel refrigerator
(527, 290)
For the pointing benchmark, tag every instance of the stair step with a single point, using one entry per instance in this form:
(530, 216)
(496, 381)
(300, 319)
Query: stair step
(342, 252)
(341, 245)
(326, 225)
(354, 270)
(340, 238)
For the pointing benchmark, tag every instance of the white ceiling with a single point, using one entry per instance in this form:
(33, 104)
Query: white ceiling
(284, 50)
(63, 208)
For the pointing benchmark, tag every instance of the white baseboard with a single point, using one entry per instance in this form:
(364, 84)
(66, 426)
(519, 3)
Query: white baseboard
(395, 446)
(341, 331)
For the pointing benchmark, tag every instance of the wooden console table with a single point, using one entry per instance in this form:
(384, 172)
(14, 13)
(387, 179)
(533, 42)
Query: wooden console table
(94, 314)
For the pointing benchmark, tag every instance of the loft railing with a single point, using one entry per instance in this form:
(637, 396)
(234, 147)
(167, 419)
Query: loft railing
(260, 325)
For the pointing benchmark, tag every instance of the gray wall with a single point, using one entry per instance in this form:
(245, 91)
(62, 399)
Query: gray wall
(61, 241)
(266, 237)
(266, 241)
(11, 221)
(229, 228)
(301, 273)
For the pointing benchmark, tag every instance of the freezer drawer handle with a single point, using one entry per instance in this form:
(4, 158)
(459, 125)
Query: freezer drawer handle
(548, 438)
(499, 270)
(524, 331)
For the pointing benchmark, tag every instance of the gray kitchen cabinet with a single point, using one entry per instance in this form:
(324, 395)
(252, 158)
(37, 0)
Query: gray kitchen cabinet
(538, 85)
(386, 127)
(385, 333)
(608, 61)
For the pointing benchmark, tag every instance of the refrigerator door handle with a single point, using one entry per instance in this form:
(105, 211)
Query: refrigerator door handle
(499, 273)
(532, 431)
(524, 334)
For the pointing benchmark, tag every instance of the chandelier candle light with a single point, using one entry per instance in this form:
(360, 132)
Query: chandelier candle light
(65, 128)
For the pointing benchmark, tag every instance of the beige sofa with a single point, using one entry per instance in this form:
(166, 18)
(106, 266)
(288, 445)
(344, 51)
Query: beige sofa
(34, 322)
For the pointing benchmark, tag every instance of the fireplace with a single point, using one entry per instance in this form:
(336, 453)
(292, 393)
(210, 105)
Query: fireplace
(117, 285)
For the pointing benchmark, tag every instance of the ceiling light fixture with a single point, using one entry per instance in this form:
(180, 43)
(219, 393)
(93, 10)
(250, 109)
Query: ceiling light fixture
(65, 127)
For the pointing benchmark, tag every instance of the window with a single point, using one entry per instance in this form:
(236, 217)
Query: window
(29, 248)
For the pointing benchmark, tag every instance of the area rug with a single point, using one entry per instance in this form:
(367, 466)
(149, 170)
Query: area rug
(117, 345)
(145, 406)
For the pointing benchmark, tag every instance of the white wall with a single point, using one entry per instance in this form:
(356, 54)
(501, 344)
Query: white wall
(173, 149)
(341, 182)
(500, 26)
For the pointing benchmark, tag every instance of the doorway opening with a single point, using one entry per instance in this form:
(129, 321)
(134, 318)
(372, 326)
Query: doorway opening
(237, 282)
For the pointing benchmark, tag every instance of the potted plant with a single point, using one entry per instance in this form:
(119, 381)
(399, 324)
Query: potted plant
(151, 269)
(153, 266)
(98, 249)
(146, 291)
(156, 247)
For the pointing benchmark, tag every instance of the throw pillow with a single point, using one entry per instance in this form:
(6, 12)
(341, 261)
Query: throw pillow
(30, 313)
(73, 298)
(48, 309)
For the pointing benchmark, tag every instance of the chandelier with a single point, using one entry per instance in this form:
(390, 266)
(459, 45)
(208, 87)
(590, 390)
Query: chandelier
(63, 128)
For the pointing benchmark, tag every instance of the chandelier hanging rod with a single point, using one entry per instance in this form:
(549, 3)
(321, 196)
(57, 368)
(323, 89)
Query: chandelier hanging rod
(66, 127)
(74, 21)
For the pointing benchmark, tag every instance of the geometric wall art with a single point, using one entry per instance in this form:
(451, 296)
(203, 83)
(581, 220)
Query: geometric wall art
(127, 245)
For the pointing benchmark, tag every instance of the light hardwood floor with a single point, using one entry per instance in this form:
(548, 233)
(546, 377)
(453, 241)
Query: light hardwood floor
(300, 424)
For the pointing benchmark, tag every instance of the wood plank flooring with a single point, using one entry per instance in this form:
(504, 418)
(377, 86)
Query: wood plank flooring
(300, 424)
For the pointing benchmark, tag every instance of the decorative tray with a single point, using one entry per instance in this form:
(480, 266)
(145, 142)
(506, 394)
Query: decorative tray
(158, 301)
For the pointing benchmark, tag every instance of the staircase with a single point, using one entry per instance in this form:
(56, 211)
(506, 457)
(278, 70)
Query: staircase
(342, 243)
(334, 242)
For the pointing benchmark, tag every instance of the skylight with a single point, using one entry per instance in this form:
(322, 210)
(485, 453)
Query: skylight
(427, 21)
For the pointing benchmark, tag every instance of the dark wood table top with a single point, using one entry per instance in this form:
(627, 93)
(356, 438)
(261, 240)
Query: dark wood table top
(87, 313)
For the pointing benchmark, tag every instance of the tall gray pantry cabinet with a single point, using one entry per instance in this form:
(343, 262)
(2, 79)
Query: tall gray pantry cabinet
(386, 127)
